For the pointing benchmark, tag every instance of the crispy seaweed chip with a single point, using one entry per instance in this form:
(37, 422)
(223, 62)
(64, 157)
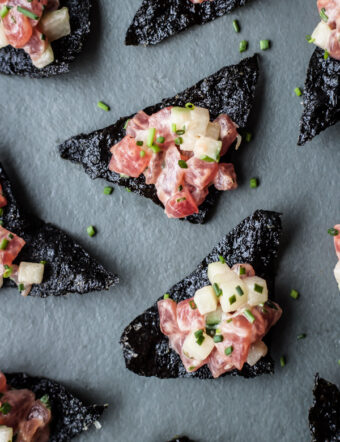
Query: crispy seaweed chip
(321, 96)
(156, 20)
(70, 416)
(324, 416)
(146, 350)
(18, 62)
(230, 90)
(69, 268)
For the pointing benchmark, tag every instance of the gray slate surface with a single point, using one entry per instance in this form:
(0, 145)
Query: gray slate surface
(75, 339)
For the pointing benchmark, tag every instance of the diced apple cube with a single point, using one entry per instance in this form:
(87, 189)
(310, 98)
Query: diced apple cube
(234, 293)
(197, 351)
(257, 290)
(217, 268)
(30, 273)
(206, 300)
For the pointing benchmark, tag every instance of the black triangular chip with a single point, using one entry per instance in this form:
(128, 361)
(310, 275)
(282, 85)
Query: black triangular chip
(324, 416)
(18, 62)
(156, 20)
(146, 350)
(69, 268)
(70, 416)
(321, 97)
(230, 90)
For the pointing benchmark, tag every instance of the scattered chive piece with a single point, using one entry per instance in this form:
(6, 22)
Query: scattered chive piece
(182, 164)
(139, 143)
(7, 273)
(179, 140)
(5, 408)
(294, 294)
(302, 336)
(298, 92)
(10, 236)
(222, 260)
(229, 320)
(155, 148)
(4, 11)
(127, 189)
(236, 26)
(126, 124)
(46, 400)
(192, 304)
(218, 331)
(43, 36)
(282, 361)
(323, 15)
(243, 45)
(232, 300)
(326, 55)
(108, 190)
(239, 290)
(258, 288)
(333, 232)
(253, 183)
(192, 368)
(200, 340)
(142, 153)
(248, 314)
(43, 262)
(166, 296)
(310, 39)
(28, 13)
(217, 290)
(242, 270)
(173, 128)
(160, 140)
(228, 351)
(4, 244)
(248, 137)
(190, 106)
(21, 287)
(1, 211)
(91, 231)
(218, 338)
(180, 132)
(180, 200)
(198, 333)
(264, 45)
(103, 106)
(151, 136)
(180, 188)
(208, 159)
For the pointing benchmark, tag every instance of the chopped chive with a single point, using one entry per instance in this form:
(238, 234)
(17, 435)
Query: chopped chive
(104, 107)
(180, 132)
(258, 288)
(242, 271)
(151, 136)
(229, 320)
(190, 106)
(217, 290)
(248, 314)
(326, 55)
(4, 11)
(323, 15)
(333, 232)
(155, 148)
(7, 273)
(142, 153)
(28, 13)
(139, 143)
(128, 190)
(264, 45)
(126, 123)
(180, 200)
(43, 37)
(208, 159)
(243, 45)
(5, 408)
(4, 244)
(218, 338)
(10, 236)
(200, 340)
(173, 128)
(193, 305)
(298, 92)
(232, 300)
(239, 291)
(160, 140)
(182, 164)
(192, 368)
(198, 333)
(222, 260)
(253, 183)
(248, 137)
(122, 175)
(178, 141)
(108, 190)
(218, 331)
(1, 211)
(302, 336)
(310, 39)
(228, 351)
(21, 287)
(180, 188)
(166, 296)
(294, 294)
(91, 231)
(43, 262)
(282, 361)
(236, 26)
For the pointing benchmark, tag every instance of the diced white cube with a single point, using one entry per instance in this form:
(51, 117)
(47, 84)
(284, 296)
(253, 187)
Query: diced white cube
(234, 293)
(30, 273)
(6, 434)
(256, 352)
(207, 148)
(213, 131)
(46, 58)
(180, 117)
(195, 351)
(321, 35)
(199, 120)
(206, 300)
(55, 24)
(257, 290)
(217, 268)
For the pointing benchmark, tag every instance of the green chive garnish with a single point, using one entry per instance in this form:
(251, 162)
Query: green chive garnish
(28, 13)
(242, 271)
(217, 290)
(294, 294)
(333, 232)
(232, 300)
(43, 262)
(282, 361)
(139, 143)
(178, 141)
(103, 106)
(229, 320)
(248, 314)
(310, 39)
(208, 159)
(4, 244)
(190, 106)
(180, 200)
(155, 148)
(151, 136)
(298, 92)
(236, 26)
(243, 45)
(21, 287)
(192, 368)
(253, 183)
(142, 153)
(198, 333)
(258, 288)
(323, 15)
(180, 188)
(228, 351)
(91, 231)
(302, 336)
(4, 11)
(182, 164)
(5, 408)
(126, 124)
(326, 54)
(7, 273)
(239, 291)
(160, 140)
(166, 296)
(180, 132)
(248, 137)
(1, 211)
(173, 127)
(218, 338)
(264, 45)
(192, 304)
(199, 337)
(222, 260)
(108, 190)
(128, 190)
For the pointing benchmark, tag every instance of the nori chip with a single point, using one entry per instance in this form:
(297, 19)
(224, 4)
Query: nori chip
(324, 416)
(146, 350)
(18, 62)
(70, 416)
(69, 268)
(230, 90)
(156, 20)
(321, 97)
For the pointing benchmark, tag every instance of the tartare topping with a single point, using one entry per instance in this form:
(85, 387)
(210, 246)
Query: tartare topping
(32, 25)
(336, 234)
(226, 328)
(177, 149)
(327, 34)
(22, 415)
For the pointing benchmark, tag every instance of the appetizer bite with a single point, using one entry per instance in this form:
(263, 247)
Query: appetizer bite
(156, 20)
(336, 233)
(322, 86)
(39, 38)
(40, 259)
(175, 152)
(38, 409)
(324, 416)
(212, 322)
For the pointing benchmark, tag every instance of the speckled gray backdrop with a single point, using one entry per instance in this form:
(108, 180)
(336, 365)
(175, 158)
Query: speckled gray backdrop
(75, 339)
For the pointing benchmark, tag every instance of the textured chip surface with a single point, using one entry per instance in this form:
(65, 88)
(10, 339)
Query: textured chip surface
(321, 98)
(17, 62)
(146, 350)
(324, 416)
(156, 20)
(70, 416)
(231, 90)
(69, 268)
